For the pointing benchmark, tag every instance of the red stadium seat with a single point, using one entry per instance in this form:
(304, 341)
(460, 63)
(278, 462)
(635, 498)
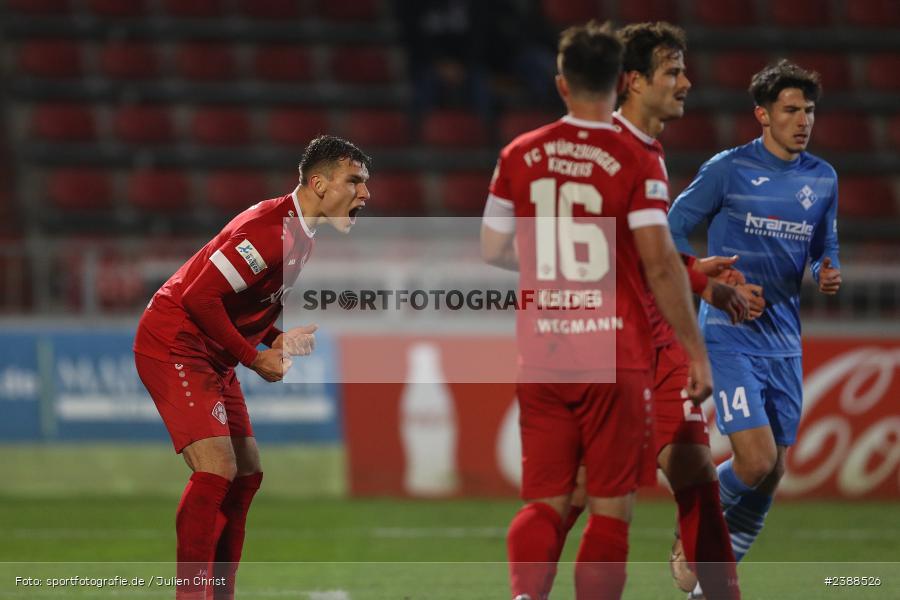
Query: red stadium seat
(282, 63)
(80, 189)
(50, 58)
(270, 9)
(694, 131)
(841, 132)
(677, 185)
(358, 10)
(745, 128)
(834, 69)
(866, 198)
(206, 61)
(454, 128)
(129, 60)
(144, 125)
(361, 64)
(894, 132)
(221, 126)
(63, 123)
(883, 71)
(233, 191)
(376, 127)
(725, 13)
(296, 126)
(195, 8)
(735, 69)
(159, 191)
(571, 11)
(515, 123)
(464, 194)
(118, 8)
(801, 13)
(638, 11)
(873, 13)
(396, 194)
(39, 7)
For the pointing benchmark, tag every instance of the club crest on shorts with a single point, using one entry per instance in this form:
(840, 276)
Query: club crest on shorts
(218, 412)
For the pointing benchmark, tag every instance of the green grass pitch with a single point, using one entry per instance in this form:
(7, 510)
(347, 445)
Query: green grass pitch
(307, 541)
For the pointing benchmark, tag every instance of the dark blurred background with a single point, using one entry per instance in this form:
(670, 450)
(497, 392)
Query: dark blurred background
(133, 129)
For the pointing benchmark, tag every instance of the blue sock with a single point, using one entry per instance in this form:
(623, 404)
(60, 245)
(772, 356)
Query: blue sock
(745, 509)
(731, 488)
(745, 520)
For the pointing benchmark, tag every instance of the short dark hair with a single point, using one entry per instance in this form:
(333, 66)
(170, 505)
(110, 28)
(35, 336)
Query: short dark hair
(590, 57)
(641, 41)
(325, 151)
(768, 83)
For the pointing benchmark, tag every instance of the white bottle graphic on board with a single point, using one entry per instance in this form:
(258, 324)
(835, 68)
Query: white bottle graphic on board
(428, 425)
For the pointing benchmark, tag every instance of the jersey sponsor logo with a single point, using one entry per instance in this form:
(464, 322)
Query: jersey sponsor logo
(778, 228)
(218, 412)
(292, 262)
(806, 197)
(759, 180)
(656, 189)
(250, 254)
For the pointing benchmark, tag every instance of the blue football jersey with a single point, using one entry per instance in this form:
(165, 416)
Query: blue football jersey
(776, 215)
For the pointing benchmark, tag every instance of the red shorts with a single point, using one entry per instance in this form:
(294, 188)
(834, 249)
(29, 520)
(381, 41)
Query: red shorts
(678, 421)
(195, 402)
(605, 426)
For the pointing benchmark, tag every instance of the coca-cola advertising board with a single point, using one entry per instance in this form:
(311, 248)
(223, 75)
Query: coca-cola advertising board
(430, 435)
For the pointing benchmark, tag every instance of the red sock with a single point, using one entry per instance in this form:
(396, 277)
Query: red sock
(195, 525)
(705, 539)
(567, 525)
(530, 544)
(600, 566)
(228, 552)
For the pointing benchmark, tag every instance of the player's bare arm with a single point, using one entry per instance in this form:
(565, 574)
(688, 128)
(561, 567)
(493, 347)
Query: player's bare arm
(499, 249)
(271, 364)
(667, 277)
(829, 278)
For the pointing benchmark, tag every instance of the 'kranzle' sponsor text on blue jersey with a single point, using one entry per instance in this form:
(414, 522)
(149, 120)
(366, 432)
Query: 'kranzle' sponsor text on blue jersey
(777, 215)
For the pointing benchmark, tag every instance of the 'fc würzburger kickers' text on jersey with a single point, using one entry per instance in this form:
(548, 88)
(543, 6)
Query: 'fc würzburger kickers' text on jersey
(251, 264)
(563, 182)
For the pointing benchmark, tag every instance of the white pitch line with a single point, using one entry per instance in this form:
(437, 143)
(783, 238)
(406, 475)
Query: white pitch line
(408, 533)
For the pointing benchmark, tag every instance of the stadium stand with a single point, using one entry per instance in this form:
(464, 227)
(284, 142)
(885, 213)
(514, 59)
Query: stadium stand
(176, 111)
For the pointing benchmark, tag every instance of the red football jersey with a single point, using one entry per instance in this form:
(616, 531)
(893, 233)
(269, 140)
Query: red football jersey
(575, 171)
(249, 267)
(662, 332)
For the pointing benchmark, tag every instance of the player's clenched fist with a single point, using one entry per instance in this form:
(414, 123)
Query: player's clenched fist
(272, 364)
(699, 381)
(726, 298)
(299, 341)
(829, 278)
(753, 294)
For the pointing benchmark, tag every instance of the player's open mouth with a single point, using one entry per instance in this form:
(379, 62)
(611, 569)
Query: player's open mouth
(801, 138)
(354, 212)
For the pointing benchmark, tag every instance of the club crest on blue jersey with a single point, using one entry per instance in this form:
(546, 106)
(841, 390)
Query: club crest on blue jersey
(807, 197)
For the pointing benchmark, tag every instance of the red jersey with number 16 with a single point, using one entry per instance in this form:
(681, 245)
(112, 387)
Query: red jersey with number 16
(247, 270)
(563, 182)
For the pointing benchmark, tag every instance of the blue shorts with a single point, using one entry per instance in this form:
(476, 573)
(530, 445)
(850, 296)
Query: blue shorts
(758, 391)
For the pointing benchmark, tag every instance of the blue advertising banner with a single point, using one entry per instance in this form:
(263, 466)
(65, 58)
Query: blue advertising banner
(20, 390)
(83, 385)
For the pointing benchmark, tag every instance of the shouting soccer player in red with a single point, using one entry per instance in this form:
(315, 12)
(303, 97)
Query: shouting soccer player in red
(578, 168)
(210, 315)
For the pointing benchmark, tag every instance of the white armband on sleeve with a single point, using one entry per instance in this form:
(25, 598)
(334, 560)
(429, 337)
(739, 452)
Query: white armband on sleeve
(499, 215)
(647, 217)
